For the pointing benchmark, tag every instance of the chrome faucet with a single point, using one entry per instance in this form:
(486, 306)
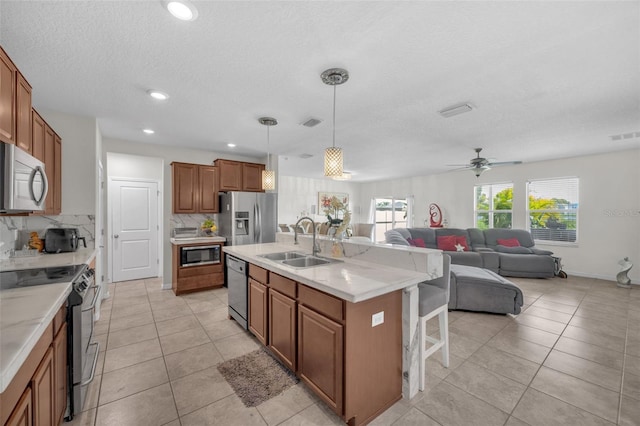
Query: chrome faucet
(316, 246)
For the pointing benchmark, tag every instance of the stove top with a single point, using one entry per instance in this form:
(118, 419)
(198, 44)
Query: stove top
(39, 276)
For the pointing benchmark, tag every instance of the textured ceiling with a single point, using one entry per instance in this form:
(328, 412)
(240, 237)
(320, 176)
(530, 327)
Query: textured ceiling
(547, 79)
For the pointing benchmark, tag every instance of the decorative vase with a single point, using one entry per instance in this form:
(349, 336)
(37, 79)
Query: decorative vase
(623, 276)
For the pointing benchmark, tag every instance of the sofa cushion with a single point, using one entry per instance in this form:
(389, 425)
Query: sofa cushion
(394, 237)
(452, 243)
(425, 234)
(476, 238)
(492, 235)
(508, 242)
(477, 289)
(541, 252)
(513, 250)
(418, 242)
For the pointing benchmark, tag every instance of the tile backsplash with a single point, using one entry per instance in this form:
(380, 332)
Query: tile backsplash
(190, 220)
(14, 230)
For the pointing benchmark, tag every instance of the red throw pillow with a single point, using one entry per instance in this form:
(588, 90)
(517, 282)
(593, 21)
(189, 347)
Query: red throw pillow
(418, 242)
(510, 242)
(449, 243)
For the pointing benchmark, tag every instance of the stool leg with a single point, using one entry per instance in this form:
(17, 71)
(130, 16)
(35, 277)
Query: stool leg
(443, 318)
(422, 328)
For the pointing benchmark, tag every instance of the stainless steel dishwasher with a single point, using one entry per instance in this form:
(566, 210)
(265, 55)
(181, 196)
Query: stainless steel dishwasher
(237, 273)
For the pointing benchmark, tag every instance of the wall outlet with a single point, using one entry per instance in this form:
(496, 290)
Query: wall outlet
(377, 319)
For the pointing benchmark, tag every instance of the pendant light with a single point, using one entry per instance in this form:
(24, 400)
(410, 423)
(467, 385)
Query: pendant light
(333, 158)
(268, 175)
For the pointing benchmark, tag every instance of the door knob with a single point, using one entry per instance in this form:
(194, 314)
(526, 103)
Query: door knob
(116, 236)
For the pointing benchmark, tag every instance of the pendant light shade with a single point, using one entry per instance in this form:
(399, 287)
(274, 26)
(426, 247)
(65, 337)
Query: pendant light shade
(333, 158)
(268, 175)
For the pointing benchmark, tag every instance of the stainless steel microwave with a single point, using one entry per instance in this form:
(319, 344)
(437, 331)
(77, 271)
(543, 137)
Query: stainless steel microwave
(24, 182)
(199, 255)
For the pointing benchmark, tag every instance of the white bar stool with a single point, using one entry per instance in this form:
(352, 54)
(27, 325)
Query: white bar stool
(434, 300)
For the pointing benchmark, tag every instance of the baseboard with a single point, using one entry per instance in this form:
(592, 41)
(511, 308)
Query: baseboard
(597, 276)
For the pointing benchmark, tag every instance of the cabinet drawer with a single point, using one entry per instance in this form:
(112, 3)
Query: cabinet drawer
(282, 284)
(195, 271)
(259, 274)
(200, 281)
(321, 302)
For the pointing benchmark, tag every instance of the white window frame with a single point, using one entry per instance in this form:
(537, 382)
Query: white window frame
(561, 211)
(409, 213)
(491, 210)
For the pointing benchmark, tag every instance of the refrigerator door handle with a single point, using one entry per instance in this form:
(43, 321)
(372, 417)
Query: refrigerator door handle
(257, 224)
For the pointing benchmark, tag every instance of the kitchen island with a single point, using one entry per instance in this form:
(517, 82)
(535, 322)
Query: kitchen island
(29, 317)
(348, 328)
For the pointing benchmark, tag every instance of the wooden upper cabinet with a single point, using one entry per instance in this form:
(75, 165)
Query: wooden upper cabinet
(8, 79)
(23, 114)
(49, 166)
(185, 184)
(37, 136)
(208, 178)
(230, 175)
(195, 188)
(55, 188)
(252, 177)
(239, 176)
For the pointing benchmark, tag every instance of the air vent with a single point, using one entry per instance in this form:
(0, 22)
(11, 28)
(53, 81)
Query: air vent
(625, 136)
(455, 110)
(312, 122)
(305, 156)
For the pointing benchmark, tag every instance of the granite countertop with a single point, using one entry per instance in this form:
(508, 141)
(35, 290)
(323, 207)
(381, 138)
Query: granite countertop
(196, 240)
(26, 312)
(351, 280)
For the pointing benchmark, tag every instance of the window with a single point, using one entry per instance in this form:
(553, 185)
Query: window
(493, 205)
(391, 213)
(553, 209)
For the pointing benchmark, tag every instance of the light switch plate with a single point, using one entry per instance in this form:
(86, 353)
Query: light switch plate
(377, 319)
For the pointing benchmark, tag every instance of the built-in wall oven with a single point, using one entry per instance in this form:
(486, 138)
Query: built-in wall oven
(82, 352)
(199, 255)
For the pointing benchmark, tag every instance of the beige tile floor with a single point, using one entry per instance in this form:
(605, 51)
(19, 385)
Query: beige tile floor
(571, 358)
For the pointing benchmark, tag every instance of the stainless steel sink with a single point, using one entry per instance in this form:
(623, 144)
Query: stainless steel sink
(283, 255)
(308, 261)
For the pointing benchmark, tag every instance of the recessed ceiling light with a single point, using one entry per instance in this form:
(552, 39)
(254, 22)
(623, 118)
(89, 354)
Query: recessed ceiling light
(455, 110)
(156, 94)
(148, 131)
(231, 145)
(183, 9)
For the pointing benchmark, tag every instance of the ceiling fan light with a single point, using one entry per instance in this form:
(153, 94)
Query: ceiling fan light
(333, 162)
(479, 170)
(268, 180)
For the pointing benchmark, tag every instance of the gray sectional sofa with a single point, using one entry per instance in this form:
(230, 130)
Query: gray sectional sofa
(524, 260)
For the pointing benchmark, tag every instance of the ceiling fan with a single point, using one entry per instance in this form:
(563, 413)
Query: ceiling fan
(480, 164)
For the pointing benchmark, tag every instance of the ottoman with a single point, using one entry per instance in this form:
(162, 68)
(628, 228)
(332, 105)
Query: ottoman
(477, 289)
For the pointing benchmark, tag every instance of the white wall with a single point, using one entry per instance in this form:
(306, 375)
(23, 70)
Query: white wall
(168, 154)
(297, 195)
(609, 213)
(79, 155)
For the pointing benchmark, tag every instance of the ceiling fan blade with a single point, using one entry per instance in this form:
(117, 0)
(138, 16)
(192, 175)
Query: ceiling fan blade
(458, 165)
(503, 163)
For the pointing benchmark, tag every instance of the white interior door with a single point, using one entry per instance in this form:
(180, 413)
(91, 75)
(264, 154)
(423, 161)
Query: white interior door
(134, 230)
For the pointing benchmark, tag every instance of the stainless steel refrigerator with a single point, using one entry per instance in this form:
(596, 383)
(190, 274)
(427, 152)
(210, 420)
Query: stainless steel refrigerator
(248, 217)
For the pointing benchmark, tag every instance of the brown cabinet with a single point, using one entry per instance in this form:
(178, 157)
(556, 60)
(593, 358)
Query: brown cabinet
(8, 81)
(194, 188)
(37, 133)
(188, 279)
(23, 413)
(23, 114)
(42, 386)
(59, 346)
(258, 310)
(239, 176)
(282, 328)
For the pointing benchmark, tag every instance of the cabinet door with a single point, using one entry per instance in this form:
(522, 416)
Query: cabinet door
(258, 310)
(252, 177)
(185, 187)
(22, 415)
(42, 386)
(8, 75)
(320, 355)
(50, 166)
(60, 374)
(23, 114)
(57, 183)
(37, 135)
(208, 177)
(230, 175)
(282, 328)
